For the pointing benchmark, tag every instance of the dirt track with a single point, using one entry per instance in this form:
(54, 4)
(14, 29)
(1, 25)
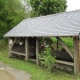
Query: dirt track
(18, 74)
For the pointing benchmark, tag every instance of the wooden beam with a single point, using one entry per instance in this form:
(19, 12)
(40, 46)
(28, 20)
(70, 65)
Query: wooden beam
(65, 47)
(76, 56)
(62, 62)
(37, 51)
(65, 62)
(18, 53)
(26, 49)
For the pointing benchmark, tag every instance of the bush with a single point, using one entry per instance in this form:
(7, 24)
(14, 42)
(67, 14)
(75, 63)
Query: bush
(49, 60)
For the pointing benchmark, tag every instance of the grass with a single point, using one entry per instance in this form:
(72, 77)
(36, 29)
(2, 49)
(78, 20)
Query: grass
(38, 73)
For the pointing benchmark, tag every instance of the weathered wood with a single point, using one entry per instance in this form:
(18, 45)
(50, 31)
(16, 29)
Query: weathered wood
(79, 42)
(10, 54)
(32, 59)
(57, 44)
(79, 55)
(18, 53)
(65, 62)
(13, 43)
(37, 51)
(76, 56)
(26, 49)
(65, 47)
(62, 62)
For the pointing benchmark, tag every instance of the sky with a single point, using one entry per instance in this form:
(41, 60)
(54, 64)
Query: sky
(73, 5)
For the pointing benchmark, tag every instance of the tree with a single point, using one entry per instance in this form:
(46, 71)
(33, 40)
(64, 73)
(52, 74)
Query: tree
(11, 13)
(46, 7)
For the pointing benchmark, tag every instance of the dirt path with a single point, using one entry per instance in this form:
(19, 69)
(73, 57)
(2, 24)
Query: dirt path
(18, 74)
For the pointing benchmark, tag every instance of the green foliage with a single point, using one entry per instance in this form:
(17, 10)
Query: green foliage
(48, 58)
(11, 13)
(46, 7)
(48, 41)
(68, 42)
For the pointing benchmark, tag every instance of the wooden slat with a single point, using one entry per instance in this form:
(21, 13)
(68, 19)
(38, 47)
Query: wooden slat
(76, 56)
(65, 62)
(17, 53)
(65, 47)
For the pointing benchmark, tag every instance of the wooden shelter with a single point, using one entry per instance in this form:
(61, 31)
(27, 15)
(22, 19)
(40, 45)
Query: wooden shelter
(65, 24)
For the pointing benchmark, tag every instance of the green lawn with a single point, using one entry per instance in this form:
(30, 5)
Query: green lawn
(38, 73)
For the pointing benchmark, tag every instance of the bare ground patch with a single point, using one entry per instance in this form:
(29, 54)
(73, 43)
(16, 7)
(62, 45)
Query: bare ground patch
(18, 74)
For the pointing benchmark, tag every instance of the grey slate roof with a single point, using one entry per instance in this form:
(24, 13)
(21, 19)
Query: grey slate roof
(61, 24)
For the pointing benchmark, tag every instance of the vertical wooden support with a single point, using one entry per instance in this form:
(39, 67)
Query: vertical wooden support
(9, 44)
(79, 55)
(37, 51)
(57, 44)
(26, 49)
(76, 56)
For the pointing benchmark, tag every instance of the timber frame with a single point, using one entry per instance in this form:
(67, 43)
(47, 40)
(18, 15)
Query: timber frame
(26, 52)
(75, 54)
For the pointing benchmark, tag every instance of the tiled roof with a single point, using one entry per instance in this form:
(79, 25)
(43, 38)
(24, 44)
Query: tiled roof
(61, 24)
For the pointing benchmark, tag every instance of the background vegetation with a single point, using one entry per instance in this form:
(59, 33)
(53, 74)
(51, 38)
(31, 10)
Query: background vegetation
(46, 7)
(11, 13)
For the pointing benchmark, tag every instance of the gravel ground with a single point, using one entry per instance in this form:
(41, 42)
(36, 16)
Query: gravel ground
(18, 74)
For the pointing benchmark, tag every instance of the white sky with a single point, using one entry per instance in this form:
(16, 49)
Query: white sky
(73, 5)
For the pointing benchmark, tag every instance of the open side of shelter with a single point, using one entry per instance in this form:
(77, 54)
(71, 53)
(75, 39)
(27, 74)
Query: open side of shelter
(30, 47)
(65, 24)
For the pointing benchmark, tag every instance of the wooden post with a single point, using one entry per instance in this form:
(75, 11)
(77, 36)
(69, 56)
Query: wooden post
(76, 56)
(57, 44)
(79, 55)
(26, 49)
(9, 44)
(37, 51)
